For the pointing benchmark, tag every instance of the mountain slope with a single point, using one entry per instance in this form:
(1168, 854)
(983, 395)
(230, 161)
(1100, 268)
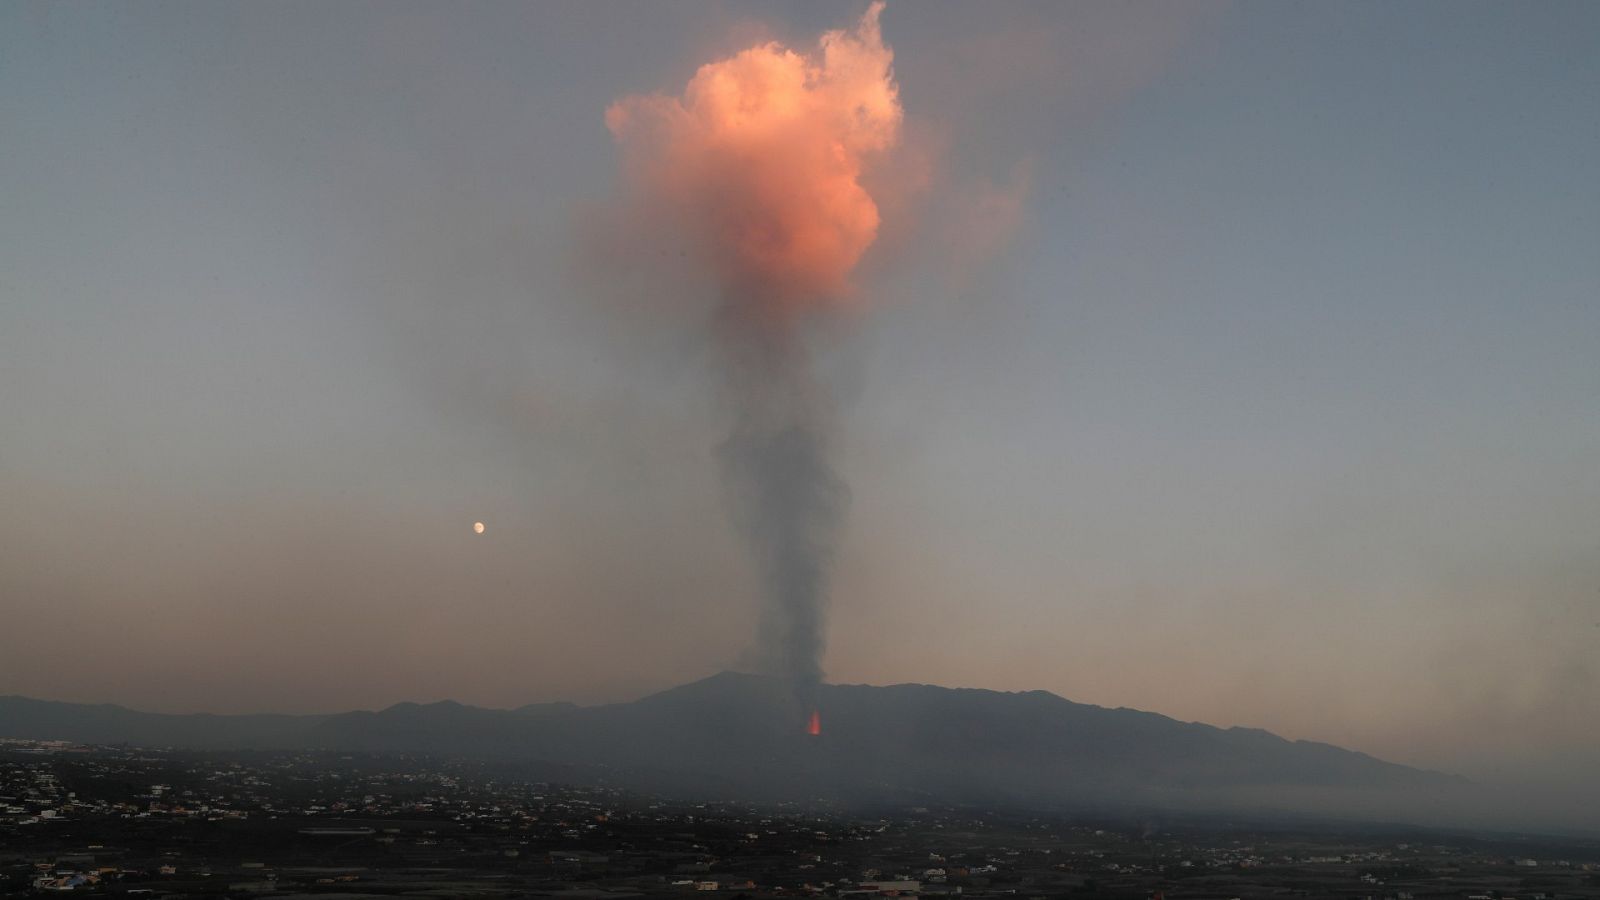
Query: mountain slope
(741, 735)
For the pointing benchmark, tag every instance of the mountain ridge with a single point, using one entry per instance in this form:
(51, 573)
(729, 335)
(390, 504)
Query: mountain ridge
(739, 735)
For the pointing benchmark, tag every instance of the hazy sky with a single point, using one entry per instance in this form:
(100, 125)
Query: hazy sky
(1240, 363)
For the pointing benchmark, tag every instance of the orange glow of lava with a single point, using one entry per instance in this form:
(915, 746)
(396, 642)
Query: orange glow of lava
(814, 727)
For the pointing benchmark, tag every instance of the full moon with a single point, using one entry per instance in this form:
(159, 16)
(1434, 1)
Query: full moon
(477, 527)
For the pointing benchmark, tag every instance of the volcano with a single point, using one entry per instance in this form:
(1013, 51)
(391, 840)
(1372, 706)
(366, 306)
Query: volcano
(732, 735)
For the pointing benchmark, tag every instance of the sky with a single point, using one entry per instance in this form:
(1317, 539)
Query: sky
(1238, 362)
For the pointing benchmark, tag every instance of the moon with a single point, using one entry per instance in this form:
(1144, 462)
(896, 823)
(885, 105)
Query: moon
(477, 527)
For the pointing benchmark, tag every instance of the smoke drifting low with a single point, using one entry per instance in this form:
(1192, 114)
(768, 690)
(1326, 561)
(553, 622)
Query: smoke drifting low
(758, 166)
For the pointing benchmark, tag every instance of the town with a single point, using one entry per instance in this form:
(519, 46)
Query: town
(153, 822)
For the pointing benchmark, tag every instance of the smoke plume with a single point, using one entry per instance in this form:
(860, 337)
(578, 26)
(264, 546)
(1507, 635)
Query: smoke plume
(758, 167)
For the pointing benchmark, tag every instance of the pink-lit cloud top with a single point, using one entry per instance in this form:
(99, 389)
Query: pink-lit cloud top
(762, 157)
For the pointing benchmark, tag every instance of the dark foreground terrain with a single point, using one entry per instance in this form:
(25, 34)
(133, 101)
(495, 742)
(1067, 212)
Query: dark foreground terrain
(121, 820)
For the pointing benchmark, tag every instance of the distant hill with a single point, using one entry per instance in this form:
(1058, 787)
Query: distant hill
(742, 735)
